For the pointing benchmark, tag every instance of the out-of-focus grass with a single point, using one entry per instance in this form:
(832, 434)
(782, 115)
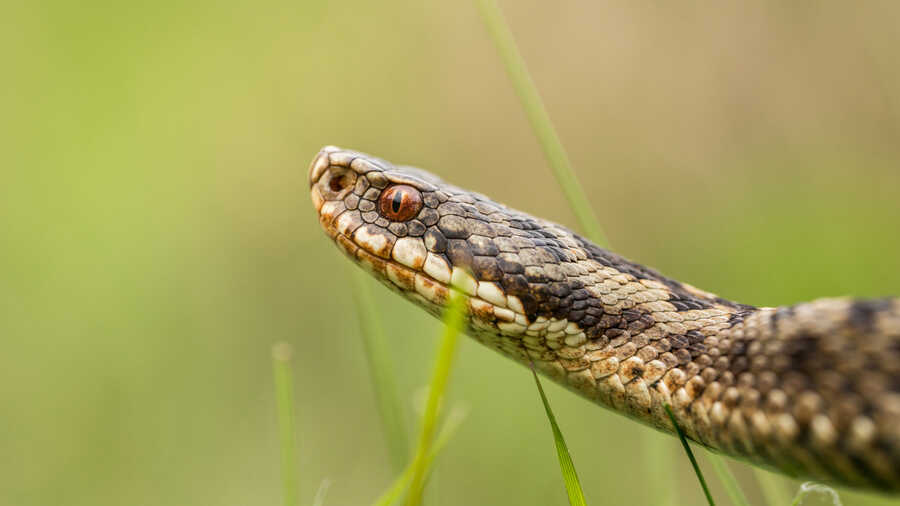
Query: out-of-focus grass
(453, 322)
(321, 493)
(556, 155)
(381, 368)
(157, 232)
(540, 120)
(728, 480)
(771, 487)
(287, 423)
(448, 429)
(565, 176)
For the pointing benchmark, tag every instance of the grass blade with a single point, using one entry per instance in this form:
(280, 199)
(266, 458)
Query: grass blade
(319, 499)
(284, 398)
(393, 493)
(658, 454)
(381, 370)
(573, 486)
(540, 120)
(771, 486)
(656, 449)
(690, 454)
(728, 480)
(453, 321)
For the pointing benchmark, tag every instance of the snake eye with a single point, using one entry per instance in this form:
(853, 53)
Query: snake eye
(400, 203)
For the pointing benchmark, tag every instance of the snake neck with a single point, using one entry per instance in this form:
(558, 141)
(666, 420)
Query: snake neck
(811, 389)
(683, 295)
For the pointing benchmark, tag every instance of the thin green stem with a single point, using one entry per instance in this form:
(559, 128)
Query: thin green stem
(772, 487)
(319, 499)
(284, 397)
(540, 121)
(453, 321)
(658, 456)
(570, 477)
(558, 159)
(381, 369)
(728, 480)
(690, 454)
(393, 493)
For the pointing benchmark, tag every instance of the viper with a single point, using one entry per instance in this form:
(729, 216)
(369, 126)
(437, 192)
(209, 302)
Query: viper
(811, 390)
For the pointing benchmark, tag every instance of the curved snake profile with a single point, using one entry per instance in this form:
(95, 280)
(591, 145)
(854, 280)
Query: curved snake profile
(811, 390)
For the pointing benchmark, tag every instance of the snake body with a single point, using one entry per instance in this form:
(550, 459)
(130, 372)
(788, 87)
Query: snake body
(811, 390)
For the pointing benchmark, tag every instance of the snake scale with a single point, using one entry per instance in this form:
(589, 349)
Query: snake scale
(811, 390)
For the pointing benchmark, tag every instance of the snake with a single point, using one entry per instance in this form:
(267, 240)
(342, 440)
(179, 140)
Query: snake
(811, 390)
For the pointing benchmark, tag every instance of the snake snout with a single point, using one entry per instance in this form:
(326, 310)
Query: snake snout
(330, 179)
(319, 164)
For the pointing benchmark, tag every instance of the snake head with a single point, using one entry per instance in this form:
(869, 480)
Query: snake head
(536, 291)
(406, 226)
(420, 235)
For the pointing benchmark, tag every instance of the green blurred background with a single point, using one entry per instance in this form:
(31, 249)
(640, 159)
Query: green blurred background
(157, 234)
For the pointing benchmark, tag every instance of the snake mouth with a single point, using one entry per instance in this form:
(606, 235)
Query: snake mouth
(492, 316)
(416, 284)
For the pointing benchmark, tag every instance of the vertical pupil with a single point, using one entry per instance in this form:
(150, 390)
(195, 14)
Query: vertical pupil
(396, 201)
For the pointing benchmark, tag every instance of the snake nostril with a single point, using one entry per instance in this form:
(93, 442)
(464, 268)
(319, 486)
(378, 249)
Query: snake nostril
(338, 183)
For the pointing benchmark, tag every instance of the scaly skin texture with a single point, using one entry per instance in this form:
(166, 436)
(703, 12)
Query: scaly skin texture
(812, 390)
